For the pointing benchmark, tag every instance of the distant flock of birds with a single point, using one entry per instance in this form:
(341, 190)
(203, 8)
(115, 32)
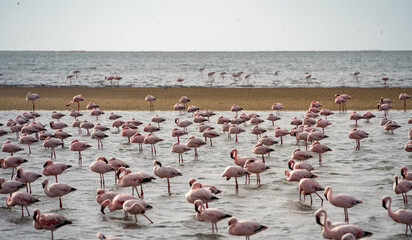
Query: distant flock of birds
(200, 194)
(237, 76)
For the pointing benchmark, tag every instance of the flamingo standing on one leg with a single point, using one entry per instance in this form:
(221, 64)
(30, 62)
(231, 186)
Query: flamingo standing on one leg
(32, 97)
(234, 171)
(211, 215)
(79, 146)
(10, 147)
(319, 148)
(402, 96)
(101, 166)
(357, 135)
(244, 227)
(341, 200)
(165, 172)
(403, 216)
(150, 99)
(195, 143)
(180, 149)
(51, 168)
(12, 162)
(402, 187)
(57, 190)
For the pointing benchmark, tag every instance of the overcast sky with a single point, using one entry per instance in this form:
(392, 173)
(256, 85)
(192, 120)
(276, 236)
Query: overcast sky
(209, 25)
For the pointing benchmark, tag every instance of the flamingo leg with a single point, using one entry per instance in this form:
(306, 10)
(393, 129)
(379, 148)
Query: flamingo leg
(168, 186)
(311, 200)
(345, 210)
(29, 148)
(141, 190)
(321, 204)
(56, 178)
(28, 213)
(320, 159)
(237, 185)
(147, 218)
(61, 204)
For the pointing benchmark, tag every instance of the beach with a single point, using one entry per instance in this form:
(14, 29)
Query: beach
(218, 99)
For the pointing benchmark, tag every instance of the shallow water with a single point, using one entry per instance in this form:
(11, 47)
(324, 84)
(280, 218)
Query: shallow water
(162, 69)
(366, 174)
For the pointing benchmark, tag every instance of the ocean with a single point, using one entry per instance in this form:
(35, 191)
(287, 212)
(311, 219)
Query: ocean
(162, 69)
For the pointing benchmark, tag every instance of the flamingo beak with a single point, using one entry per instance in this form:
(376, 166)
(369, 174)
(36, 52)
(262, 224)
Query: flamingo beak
(384, 204)
(318, 220)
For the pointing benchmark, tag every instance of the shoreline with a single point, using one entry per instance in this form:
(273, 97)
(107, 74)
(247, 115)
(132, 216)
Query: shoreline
(216, 99)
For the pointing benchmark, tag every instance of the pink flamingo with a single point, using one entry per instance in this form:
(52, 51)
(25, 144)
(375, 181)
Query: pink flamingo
(402, 96)
(299, 165)
(341, 101)
(136, 206)
(341, 200)
(300, 155)
(222, 120)
(117, 202)
(179, 107)
(244, 227)
(355, 116)
(236, 108)
(117, 163)
(11, 186)
(309, 78)
(210, 187)
(210, 76)
(128, 132)
(52, 143)
(195, 143)
(256, 167)
(402, 187)
(117, 78)
(405, 174)
(184, 100)
(165, 172)
(57, 115)
(196, 192)
(192, 109)
(297, 174)
(101, 166)
(86, 125)
(261, 149)
(15, 128)
(403, 216)
(322, 123)
(357, 135)
(158, 119)
(234, 171)
(12, 162)
(96, 112)
(49, 221)
(133, 179)
(57, 125)
(368, 115)
(152, 140)
(60, 134)
(99, 135)
(79, 146)
(280, 133)
(326, 112)
(77, 99)
(384, 79)
(22, 199)
(268, 141)
(92, 105)
(277, 107)
(57, 190)
(103, 195)
(117, 124)
(240, 161)
(51, 168)
(10, 147)
(178, 133)
(319, 148)
(27, 139)
(109, 78)
(272, 117)
(32, 97)
(295, 121)
(26, 177)
(138, 138)
(183, 123)
(384, 107)
(233, 129)
(307, 186)
(211, 215)
(150, 128)
(180, 149)
(391, 125)
(114, 116)
(258, 131)
(208, 133)
(339, 230)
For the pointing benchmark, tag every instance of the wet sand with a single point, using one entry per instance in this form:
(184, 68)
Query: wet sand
(218, 99)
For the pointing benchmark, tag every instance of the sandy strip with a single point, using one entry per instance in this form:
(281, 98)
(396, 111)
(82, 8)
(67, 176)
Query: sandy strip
(218, 99)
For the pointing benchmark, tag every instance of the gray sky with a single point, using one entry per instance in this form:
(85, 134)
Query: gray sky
(212, 25)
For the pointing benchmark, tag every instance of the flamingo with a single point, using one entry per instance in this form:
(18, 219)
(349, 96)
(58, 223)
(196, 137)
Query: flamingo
(27, 139)
(138, 138)
(272, 117)
(234, 171)
(158, 119)
(355, 116)
(117, 78)
(150, 99)
(77, 99)
(152, 140)
(51, 168)
(326, 112)
(26, 177)
(12, 162)
(211, 215)
(258, 131)
(49, 221)
(208, 133)
(195, 143)
(307, 186)
(357, 135)
(109, 78)
(179, 107)
(69, 77)
(368, 115)
(384, 79)
(60, 134)
(402, 187)
(117, 163)
(297, 174)
(339, 230)
(10, 147)
(180, 149)
(22, 199)
(103, 195)
(165, 172)
(341, 200)
(52, 143)
(96, 112)
(184, 100)
(207, 186)
(280, 133)
(183, 123)
(402, 96)
(262, 149)
(99, 135)
(322, 123)
(256, 167)
(101, 166)
(236, 108)
(210, 76)
(117, 202)
(11, 186)
(233, 129)
(299, 165)
(57, 190)
(196, 192)
(114, 116)
(309, 78)
(277, 107)
(79, 146)
(136, 206)
(319, 148)
(150, 128)
(244, 227)
(32, 97)
(405, 174)
(341, 101)
(403, 216)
